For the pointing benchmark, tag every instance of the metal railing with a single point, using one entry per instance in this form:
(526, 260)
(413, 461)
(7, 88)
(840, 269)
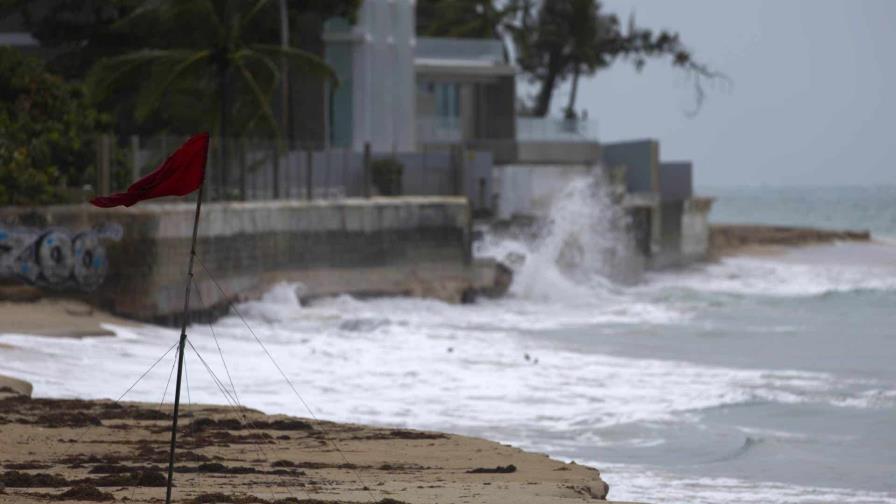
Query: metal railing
(252, 169)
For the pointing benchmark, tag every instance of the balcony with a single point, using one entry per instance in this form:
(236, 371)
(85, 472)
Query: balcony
(549, 129)
(481, 51)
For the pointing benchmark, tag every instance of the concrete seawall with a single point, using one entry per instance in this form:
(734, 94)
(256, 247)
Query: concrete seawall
(730, 238)
(381, 246)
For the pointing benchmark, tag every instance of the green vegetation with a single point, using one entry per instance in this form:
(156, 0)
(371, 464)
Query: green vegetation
(47, 133)
(215, 56)
(559, 40)
(139, 67)
(170, 65)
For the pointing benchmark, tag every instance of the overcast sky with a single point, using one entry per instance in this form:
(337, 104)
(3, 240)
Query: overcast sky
(812, 100)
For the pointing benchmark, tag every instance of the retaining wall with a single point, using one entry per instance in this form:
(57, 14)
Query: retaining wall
(395, 246)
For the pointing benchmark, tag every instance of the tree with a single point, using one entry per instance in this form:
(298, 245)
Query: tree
(556, 40)
(469, 18)
(464, 18)
(79, 33)
(217, 61)
(47, 132)
(223, 50)
(571, 38)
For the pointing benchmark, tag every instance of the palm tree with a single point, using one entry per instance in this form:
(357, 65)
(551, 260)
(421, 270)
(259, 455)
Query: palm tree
(207, 51)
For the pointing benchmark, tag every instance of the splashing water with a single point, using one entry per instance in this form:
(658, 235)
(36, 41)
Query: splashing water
(580, 248)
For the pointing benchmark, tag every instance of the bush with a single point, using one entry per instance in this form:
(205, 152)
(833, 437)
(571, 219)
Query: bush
(387, 176)
(47, 132)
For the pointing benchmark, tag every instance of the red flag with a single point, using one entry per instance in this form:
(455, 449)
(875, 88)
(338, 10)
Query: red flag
(180, 174)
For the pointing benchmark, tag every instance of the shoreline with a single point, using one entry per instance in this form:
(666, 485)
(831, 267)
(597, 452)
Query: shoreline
(769, 240)
(30, 311)
(93, 450)
(56, 317)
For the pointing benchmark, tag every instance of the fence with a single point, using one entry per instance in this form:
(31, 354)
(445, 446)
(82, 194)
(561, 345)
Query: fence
(247, 169)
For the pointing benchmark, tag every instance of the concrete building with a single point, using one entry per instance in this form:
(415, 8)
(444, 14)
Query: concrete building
(400, 93)
(669, 222)
(374, 61)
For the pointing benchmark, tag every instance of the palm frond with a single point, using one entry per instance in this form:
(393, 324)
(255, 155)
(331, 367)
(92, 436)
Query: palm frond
(246, 18)
(264, 101)
(302, 60)
(109, 73)
(162, 77)
(172, 11)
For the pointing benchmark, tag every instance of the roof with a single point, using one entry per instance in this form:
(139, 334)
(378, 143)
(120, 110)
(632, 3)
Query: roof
(461, 57)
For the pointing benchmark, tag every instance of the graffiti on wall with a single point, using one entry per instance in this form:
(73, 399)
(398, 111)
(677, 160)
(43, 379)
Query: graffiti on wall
(56, 258)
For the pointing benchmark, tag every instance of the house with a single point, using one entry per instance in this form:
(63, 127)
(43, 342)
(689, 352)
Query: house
(447, 110)
(399, 92)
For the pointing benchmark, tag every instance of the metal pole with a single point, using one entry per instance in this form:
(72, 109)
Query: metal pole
(309, 162)
(183, 341)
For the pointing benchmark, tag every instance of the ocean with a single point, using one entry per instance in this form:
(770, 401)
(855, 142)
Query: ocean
(755, 379)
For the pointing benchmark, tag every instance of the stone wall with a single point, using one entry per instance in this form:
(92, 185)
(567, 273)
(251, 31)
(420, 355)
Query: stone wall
(395, 246)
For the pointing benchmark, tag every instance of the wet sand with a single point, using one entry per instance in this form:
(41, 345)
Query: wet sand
(58, 317)
(94, 451)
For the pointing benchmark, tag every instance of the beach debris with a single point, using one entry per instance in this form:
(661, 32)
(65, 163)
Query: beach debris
(85, 493)
(220, 498)
(232, 424)
(26, 466)
(141, 478)
(510, 468)
(68, 419)
(16, 479)
(410, 434)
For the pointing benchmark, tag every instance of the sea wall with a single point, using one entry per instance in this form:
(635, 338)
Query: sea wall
(379, 246)
(731, 238)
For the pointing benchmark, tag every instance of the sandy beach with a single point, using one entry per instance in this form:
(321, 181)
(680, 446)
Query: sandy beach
(95, 451)
(90, 451)
(57, 317)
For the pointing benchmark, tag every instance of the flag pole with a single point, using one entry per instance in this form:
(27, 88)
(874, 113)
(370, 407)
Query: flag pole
(183, 341)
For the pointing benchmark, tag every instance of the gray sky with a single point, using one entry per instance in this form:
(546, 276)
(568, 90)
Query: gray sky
(812, 100)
